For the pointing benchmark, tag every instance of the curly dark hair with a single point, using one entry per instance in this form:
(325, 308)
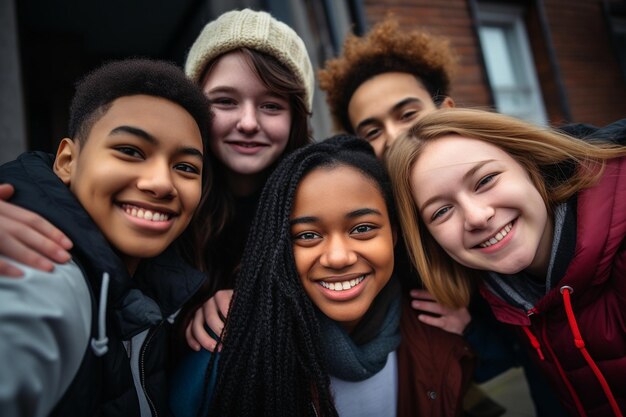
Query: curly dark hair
(271, 363)
(96, 92)
(386, 48)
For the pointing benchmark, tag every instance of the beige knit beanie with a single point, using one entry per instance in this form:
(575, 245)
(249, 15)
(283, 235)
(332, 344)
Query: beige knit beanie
(255, 30)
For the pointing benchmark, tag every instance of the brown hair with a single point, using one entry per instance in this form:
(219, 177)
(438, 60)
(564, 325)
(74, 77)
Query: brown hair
(386, 48)
(558, 165)
(215, 243)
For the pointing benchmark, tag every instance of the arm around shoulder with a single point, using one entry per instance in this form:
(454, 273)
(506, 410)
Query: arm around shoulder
(45, 324)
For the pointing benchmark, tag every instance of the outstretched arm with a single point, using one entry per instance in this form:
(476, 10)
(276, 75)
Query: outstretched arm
(28, 238)
(46, 323)
(212, 314)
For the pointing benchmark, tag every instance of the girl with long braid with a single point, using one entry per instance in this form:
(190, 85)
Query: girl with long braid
(318, 325)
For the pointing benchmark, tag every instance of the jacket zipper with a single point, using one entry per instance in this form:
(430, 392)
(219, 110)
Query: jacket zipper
(142, 369)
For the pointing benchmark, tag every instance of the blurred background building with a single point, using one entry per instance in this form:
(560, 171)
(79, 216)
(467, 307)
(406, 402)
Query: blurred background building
(549, 61)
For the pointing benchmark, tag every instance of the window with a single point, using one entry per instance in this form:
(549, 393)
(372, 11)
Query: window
(510, 66)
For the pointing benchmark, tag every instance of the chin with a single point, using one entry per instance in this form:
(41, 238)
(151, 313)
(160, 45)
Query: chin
(354, 314)
(510, 269)
(143, 251)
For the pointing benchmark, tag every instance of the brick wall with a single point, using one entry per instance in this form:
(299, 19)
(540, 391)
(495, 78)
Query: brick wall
(590, 77)
(451, 19)
(595, 88)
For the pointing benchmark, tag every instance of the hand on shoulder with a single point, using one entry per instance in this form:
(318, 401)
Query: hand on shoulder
(28, 238)
(434, 314)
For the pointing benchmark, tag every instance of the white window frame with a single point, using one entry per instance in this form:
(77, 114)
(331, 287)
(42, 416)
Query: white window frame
(511, 17)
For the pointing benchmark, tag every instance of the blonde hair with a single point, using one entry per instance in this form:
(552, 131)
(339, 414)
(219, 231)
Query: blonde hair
(558, 165)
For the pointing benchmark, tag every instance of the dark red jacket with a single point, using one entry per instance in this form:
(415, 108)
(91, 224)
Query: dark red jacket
(435, 369)
(593, 289)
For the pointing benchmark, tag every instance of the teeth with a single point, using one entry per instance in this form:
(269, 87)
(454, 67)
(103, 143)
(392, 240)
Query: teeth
(498, 237)
(343, 285)
(145, 214)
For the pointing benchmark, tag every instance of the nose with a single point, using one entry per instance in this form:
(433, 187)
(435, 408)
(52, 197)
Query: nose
(338, 254)
(156, 179)
(248, 122)
(391, 133)
(477, 214)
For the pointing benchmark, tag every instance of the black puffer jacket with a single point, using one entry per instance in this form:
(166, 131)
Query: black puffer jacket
(130, 378)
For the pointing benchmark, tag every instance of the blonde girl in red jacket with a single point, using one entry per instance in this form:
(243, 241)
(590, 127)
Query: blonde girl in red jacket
(537, 220)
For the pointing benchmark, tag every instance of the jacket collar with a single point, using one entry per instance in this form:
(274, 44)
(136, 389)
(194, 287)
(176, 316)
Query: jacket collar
(159, 288)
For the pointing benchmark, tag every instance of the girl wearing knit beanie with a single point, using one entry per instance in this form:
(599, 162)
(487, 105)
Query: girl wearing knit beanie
(256, 72)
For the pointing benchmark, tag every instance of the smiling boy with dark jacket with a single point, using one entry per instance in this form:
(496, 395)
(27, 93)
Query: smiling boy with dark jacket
(90, 338)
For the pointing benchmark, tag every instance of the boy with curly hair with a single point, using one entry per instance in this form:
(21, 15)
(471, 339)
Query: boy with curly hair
(383, 81)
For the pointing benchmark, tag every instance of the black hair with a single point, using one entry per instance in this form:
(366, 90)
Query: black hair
(98, 89)
(272, 362)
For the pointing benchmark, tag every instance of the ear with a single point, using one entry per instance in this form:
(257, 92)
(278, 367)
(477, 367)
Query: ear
(65, 161)
(447, 103)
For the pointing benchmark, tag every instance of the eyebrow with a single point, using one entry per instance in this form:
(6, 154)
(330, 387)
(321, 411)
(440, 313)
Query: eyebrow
(396, 107)
(468, 174)
(351, 215)
(142, 134)
(232, 90)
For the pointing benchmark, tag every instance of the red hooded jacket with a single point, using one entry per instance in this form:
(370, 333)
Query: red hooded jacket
(578, 330)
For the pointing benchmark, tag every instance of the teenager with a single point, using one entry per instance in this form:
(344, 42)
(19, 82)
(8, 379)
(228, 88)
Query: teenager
(318, 323)
(258, 77)
(91, 337)
(537, 219)
(385, 80)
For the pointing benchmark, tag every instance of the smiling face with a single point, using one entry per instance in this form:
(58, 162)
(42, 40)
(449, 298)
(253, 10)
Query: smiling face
(251, 125)
(387, 105)
(138, 174)
(343, 241)
(481, 206)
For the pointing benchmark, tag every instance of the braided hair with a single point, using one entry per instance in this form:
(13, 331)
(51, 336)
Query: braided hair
(271, 362)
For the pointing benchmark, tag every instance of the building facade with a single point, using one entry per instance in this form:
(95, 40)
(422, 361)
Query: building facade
(548, 61)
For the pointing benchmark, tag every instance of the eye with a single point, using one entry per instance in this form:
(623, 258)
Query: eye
(408, 115)
(222, 102)
(130, 151)
(362, 228)
(441, 212)
(364, 231)
(187, 168)
(307, 236)
(486, 180)
(371, 134)
(273, 107)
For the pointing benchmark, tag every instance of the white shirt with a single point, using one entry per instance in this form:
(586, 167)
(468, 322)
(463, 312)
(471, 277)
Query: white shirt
(376, 396)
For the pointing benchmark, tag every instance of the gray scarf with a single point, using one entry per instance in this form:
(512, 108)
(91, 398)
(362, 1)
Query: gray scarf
(351, 362)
